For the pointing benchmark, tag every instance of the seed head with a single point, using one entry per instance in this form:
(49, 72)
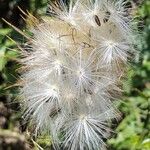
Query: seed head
(73, 70)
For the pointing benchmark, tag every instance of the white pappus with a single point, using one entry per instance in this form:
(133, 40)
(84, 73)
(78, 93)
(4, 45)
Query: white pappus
(74, 62)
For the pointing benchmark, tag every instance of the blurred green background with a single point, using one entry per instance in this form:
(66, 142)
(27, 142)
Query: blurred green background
(132, 133)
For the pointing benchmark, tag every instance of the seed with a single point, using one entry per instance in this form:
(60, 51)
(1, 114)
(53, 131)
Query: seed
(106, 17)
(97, 20)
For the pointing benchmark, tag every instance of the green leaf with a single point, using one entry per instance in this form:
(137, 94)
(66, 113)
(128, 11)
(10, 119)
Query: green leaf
(2, 58)
(5, 31)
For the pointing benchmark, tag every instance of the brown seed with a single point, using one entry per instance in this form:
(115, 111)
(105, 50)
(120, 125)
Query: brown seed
(97, 20)
(106, 17)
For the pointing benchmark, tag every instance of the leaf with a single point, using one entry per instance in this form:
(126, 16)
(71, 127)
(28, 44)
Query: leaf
(5, 31)
(2, 58)
(146, 144)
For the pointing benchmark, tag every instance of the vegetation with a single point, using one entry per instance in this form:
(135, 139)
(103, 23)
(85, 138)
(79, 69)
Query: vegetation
(132, 132)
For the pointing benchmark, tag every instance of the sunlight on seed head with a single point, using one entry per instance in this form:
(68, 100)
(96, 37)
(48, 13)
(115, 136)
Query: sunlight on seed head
(72, 71)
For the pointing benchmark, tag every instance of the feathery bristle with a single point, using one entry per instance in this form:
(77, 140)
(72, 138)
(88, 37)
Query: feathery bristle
(74, 65)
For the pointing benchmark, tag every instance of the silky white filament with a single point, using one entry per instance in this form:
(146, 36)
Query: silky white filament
(72, 71)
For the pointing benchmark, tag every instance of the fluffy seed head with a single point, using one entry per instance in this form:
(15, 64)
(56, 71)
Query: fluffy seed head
(73, 66)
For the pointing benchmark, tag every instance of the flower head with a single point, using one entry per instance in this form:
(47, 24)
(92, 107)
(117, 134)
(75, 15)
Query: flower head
(73, 68)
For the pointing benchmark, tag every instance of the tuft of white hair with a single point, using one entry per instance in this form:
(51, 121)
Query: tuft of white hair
(72, 71)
